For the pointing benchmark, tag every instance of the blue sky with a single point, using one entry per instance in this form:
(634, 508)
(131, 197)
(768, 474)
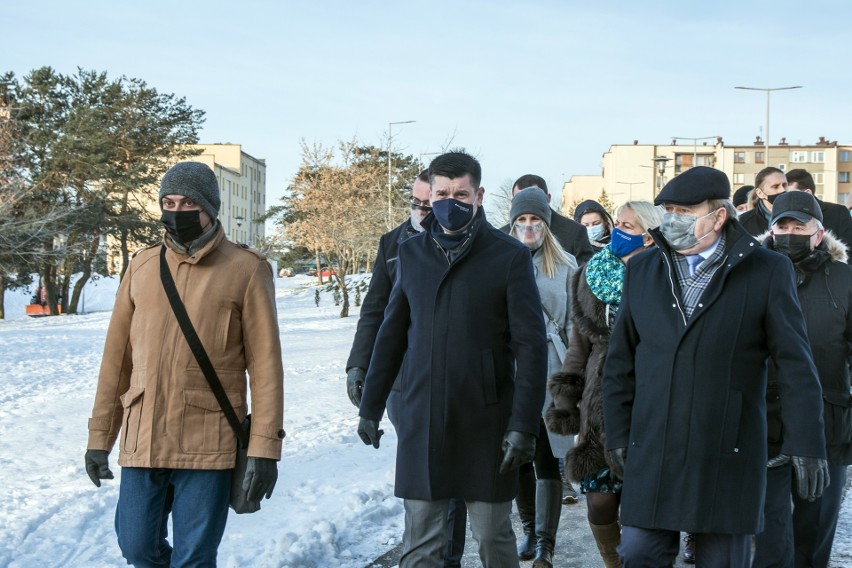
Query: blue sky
(529, 87)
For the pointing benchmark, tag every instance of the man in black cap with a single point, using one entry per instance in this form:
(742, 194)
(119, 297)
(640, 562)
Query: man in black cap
(685, 381)
(835, 217)
(741, 196)
(824, 285)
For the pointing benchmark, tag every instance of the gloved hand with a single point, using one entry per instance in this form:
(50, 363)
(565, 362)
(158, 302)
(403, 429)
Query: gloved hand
(355, 384)
(778, 461)
(369, 432)
(518, 449)
(617, 457)
(97, 466)
(260, 478)
(811, 476)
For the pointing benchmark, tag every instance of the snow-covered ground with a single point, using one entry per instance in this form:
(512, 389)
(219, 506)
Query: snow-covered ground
(333, 505)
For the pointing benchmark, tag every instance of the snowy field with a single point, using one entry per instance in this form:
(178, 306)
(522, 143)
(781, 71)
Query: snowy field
(333, 505)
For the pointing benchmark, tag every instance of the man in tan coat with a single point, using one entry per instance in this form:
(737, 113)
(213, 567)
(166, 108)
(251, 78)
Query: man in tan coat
(177, 449)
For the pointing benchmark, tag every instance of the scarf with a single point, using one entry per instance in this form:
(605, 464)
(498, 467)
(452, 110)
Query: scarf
(605, 276)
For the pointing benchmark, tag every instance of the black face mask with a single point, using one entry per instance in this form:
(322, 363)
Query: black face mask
(771, 198)
(183, 226)
(796, 247)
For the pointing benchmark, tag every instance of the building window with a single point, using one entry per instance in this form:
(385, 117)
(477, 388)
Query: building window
(843, 177)
(782, 167)
(845, 156)
(758, 157)
(818, 178)
(739, 157)
(739, 179)
(817, 157)
(798, 157)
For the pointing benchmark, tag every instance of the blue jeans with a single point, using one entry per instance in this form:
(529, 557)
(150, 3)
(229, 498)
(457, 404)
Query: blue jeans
(198, 503)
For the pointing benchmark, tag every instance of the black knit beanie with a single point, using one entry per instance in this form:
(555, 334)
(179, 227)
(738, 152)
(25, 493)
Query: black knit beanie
(194, 180)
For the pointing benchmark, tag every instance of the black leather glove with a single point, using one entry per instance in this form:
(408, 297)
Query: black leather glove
(617, 457)
(518, 449)
(97, 466)
(811, 476)
(260, 478)
(778, 461)
(355, 384)
(369, 432)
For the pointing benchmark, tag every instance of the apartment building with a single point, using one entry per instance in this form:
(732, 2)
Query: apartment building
(638, 171)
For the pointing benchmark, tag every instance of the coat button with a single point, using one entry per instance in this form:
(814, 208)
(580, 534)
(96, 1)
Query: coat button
(700, 305)
(736, 450)
(281, 434)
(674, 305)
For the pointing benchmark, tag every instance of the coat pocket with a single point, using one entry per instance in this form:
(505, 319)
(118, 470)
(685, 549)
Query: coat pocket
(132, 402)
(837, 413)
(489, 377)
(204, 427)
(731, 426)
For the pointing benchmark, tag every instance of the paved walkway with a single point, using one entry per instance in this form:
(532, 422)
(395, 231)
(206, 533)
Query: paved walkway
(575, 546)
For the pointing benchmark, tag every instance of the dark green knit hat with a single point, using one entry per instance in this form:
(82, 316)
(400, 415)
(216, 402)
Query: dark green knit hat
(194, 180)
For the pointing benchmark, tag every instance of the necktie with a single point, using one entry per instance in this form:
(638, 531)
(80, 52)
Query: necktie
(693, 261)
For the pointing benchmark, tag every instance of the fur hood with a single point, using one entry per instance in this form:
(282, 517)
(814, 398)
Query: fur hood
(834, 246)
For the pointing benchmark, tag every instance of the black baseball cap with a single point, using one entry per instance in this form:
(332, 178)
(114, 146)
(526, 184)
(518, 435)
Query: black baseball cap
(799, 205)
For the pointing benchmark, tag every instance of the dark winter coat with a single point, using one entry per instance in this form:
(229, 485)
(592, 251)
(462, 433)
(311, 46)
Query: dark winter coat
(754, 222)
(571, 235)
(376, 300)
(825, 292)
(476, 366)
(687, 398)
(836, 218)
(576, 389)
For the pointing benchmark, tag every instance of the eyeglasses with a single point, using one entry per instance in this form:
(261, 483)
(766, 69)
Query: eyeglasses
(418, 204)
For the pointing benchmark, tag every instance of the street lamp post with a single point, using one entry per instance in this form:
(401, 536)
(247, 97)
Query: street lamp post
(694, 143)
(766, 134)
(660, 162)
(420, 157)
(390, 172)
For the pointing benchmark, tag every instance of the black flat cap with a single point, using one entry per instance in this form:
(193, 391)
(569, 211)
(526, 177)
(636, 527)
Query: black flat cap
(800, 205)
(695, 186)
(741, 195)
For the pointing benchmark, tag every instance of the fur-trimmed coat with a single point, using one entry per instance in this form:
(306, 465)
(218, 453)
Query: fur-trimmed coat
(824, 287)
(577, 406)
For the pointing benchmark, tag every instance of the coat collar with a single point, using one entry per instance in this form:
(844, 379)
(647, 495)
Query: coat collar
(834, 246)
(184, 256)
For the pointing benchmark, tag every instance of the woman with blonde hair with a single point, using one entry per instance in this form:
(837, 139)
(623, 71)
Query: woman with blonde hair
(576, 390)
(539, 498)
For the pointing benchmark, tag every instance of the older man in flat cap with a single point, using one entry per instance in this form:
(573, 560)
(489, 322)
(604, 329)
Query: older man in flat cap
(176, 447)
(685, 381)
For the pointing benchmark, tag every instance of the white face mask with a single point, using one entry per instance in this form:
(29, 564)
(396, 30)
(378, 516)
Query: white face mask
(595, 232)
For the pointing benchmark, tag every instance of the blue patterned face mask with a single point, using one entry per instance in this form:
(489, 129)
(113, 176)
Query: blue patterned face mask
(623, 243)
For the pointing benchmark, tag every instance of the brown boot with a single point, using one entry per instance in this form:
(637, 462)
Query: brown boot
(607, 538)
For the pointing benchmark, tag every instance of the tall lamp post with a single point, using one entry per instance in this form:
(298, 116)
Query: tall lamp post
(660, 163)
(694, 143)
(390, 171)
(766, 134)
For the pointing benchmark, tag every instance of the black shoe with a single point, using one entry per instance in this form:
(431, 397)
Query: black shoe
(526, 548)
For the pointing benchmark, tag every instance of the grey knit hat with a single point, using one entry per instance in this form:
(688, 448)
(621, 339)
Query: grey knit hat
(530, 201)
(194, 180)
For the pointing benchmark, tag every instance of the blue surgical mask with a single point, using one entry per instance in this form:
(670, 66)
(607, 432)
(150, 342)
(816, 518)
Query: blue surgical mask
(452, 214)
(595, 232)
(623, 243)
